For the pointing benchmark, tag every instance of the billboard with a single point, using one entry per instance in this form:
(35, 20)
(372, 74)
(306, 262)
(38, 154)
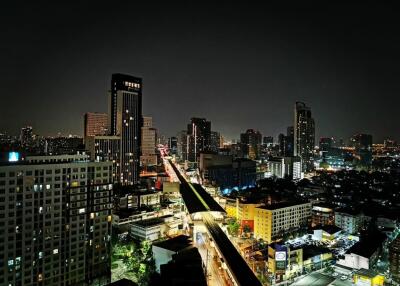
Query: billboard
(280, 259)
(13, 157)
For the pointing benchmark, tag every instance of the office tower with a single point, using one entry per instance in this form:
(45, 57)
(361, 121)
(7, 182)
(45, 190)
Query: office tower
(105, 149)
(394, 259)
(251, 144)
(215, 141)
(173, 145)
(362, 144)
(268, 140)
(304, 135)
(126, 122)
(199, 138)
(26, 137)
(95, 123)
(272, 221)
(149, 134)
(55, 221)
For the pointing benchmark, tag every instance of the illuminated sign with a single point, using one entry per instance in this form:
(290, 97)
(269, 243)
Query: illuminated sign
(280, 256)
(13, 157)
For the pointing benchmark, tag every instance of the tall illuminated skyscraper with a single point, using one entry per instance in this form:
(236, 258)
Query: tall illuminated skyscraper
(304, 135)
(125, 120)
(199, 137)
(95, 124)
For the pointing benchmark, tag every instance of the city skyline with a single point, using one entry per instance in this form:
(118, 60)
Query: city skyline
(254, 62)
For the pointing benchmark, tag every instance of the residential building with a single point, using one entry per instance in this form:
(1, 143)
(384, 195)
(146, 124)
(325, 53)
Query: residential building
(149, 136)
(271, 221)
(105, 149)
(95, 124)
(351, 222)
(55, 221)
(322, 215)
(304, 135)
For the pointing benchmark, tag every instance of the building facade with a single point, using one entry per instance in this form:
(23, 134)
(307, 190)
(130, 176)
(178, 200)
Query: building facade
(95, 123)
(126, 121)
(304, 135)
(149, 138)
(55, 221)
(271, 221)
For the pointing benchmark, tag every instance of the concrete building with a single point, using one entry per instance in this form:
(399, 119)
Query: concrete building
(283, 167)
(55, 221)
(149, 138)
(304, 135)
(95, 124)
(105, 149)
(155, 228)
(126, 121)
(271, 221)
(322, 215)
(350, 221)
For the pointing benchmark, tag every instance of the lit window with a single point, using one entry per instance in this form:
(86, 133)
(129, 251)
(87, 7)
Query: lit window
(55, 251)
(82, 210)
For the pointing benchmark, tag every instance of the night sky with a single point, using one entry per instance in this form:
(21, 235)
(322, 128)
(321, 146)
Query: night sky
(239, 66)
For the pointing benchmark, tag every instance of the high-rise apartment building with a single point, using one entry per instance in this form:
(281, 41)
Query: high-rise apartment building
(55, 221)
(95, 123)
(149, 137)
(173, 145)
(199, 138)
(125, 117)
(215, 141)
(271, 221)
(103, 149)
(251, 144)
(304, 135)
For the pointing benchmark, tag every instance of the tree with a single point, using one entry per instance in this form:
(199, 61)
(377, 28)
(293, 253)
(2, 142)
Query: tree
(233, 227)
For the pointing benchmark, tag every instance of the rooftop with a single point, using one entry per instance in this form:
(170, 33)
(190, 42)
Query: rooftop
(368, 244)
(175, 244)
(282, 205)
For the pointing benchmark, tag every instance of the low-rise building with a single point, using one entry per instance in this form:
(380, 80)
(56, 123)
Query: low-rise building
(271, 221)
(351, 222)
(364, 253)
(155, 228)
(322, 215)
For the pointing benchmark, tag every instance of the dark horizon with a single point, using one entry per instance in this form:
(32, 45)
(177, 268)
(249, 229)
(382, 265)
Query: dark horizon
(240, 67)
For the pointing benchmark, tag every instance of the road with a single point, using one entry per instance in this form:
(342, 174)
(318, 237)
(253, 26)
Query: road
(235, 262)
(213, 272)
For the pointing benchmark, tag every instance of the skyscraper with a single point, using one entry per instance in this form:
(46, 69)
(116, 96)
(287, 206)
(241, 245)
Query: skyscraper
(148, 156)
(304, 135)
(215, 141)
(125, 117)
(199, 137)
(95, 124)
(251, 144)
(55, 221)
